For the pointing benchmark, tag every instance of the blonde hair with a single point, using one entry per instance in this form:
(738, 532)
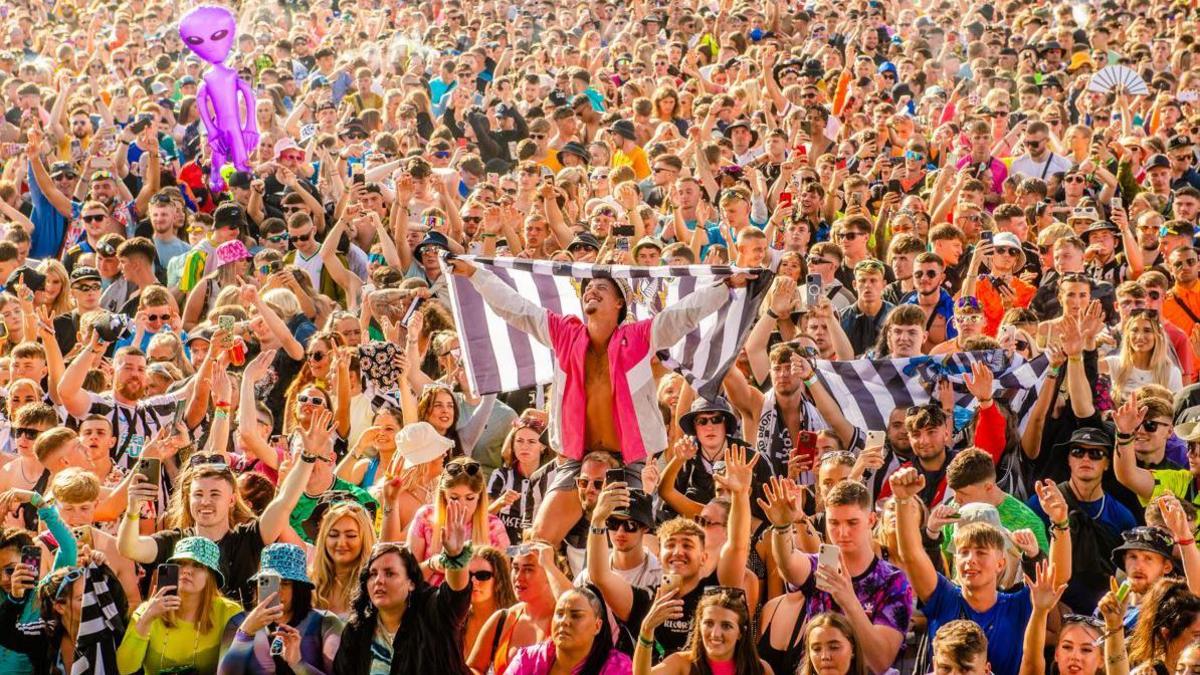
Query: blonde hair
(75, 486)
(283, 301)
(54, 268)
(323, 572)
(1160, 362)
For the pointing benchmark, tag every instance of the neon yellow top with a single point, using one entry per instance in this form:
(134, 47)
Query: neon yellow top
(180, 646)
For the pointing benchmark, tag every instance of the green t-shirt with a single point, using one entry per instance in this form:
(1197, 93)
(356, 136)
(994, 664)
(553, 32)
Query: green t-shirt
(1014, 515)
(1179, 482)
(306, 505)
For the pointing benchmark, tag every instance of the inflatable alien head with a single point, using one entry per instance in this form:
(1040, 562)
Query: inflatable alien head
(208, 31)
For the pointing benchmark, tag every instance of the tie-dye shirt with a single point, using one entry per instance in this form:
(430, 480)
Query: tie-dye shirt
(883, 590)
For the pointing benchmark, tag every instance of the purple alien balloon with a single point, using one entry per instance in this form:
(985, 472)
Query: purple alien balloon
(208, 31)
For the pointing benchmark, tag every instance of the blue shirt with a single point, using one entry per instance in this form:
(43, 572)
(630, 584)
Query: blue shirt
(1004, 623)
(145, 345)
(49, 226)
(944, 309)
(1107, 511)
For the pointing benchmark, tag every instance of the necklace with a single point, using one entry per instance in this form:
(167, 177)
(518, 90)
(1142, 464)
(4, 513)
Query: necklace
(27, 479)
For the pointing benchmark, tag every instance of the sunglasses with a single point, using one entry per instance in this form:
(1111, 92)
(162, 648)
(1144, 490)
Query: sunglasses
(302, 237)
(706, 523)
(1004, 250)
(583, 483)
(318, 356)
(733, 591)
(1074, 179)
(483, 575)
(303, 399)
(1152, 426)
(622, 524)
(1021, 345)
(928, 274)
(469, 467)
(705, 420)
(270, 269)
(472, 219)
(850, 236)
(1094, 454)
(69, 578)
(208, 459)
(87, 288)
(818, 261)
(25, 432)
(93, 217)
(278, 238)
(290, 157)
(376, 259)
(537, 137)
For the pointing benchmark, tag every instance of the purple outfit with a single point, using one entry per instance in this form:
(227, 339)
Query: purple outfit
(882, 590)
(537, 660)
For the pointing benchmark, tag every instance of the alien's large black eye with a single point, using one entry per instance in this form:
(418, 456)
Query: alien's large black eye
(194, 40)
(218, 35)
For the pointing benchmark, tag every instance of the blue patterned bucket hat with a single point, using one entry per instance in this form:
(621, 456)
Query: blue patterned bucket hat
(202, 551)
(286, 560)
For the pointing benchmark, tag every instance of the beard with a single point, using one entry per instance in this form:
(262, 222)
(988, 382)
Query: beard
(131, 390)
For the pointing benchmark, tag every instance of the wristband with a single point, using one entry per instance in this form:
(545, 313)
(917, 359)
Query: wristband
(810, 381)
(771, 313)
(1061, 527)
(1053, 371)
(598, 530)
(1122, 436)
(649, 644)
(782, 528)
(36, 501)
(1075, 358)
(307, 458)
(132, 515)
(243, 636)
(1188, 542)
(220, 414)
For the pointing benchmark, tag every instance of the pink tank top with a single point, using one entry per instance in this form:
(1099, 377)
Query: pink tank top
(721, 667)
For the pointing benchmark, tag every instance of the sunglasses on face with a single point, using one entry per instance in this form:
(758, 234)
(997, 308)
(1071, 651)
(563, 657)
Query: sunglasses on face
(472, 219)
(469, 467)
(25, 432)
(928, 274)
(706, 523)
(302, 237)
(622, 524)
(290, 157)
(482, 575)
(270, 269)
(87, 288)
(304, 399)
(93, 218)
(850, 236)
(157, 317)
(1006, 251)
(1021, 345)
(819, 261)
(583, 483)
(1152, 426)
(278, 238)
(1094, 454)
(705, 420)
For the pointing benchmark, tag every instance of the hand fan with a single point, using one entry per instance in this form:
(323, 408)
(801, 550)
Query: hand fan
(1120, 78)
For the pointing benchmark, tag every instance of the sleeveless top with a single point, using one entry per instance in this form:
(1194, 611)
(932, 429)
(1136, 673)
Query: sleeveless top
(502, 642)
(781, 660)
(721, 667)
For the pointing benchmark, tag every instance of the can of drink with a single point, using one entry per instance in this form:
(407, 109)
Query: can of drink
(237, 354)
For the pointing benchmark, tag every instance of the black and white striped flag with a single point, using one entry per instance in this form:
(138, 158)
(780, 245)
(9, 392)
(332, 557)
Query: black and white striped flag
(500, 358)
(868, 390)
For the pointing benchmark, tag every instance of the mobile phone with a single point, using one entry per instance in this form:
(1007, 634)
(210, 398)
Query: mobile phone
(986, 236)
(357, 175)
(876, 438)
(829, 555)
(670, 581)
(1007, 332)
(150, 468)
(267, 584)
(893, 185)
(83, 535)
(785, 199)
(1116, 204)
(855, 199)
(896, 161)
(462, 142)
(840, 164)
(806, 445)
(812, 290)
(226, 322)
(31, 556)
(614, 476)
(168, 575)
(622, 243)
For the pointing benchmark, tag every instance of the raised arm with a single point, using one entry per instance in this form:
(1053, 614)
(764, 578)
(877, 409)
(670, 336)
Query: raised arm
(1044, 595)
(130, 542)
(1055, 506)
(906, 485)
(512, 307)
(617, 592)
(318, 447)
(782, 508)
(1128, 418)
(74, 397)
(738, 479)
(250, 296)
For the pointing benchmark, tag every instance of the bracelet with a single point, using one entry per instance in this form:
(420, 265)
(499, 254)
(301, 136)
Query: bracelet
(457, 562)
(36, 501)
(771, 313)
(220, 414)
(810, 381)
(1061, 527)
(598, 530)
(1053, 371)
(649, 644)
(243, 636)
(1075, 358)
(1122, 436)
(1189, 542)
(132, 515)
(307, 458)
(782, 528)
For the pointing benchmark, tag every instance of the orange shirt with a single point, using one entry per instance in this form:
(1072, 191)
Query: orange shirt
(1173, 306)
(992, 303)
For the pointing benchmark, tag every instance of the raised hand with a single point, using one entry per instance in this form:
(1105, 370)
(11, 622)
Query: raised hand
(1026, 540)
(1174, 517)
(666, 607)
(739, 472)
(780, 504)
(458, 527)
(267, 612)
(140, 492)
(980, 381)
(1112, 609)
(318, 432)
(1042, 592)
(941, 516)
(1052, 501)
(1129, 415)
(906, 483)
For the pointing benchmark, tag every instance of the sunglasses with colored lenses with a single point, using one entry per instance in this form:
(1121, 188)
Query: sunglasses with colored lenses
(318, 356)
(278, 238)
(270, 268)
(469, 467)
(1094, 454)
(705, 420)
(583, 483)
(623, 524)
(93, 217)
(303, 399)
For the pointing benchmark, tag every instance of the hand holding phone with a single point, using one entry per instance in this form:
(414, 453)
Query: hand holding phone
(168, 576)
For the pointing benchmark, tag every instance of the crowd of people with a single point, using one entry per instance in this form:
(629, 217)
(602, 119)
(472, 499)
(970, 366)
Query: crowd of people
(239, 428)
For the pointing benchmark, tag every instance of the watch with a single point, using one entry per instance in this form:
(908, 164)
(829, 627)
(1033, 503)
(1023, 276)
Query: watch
(310, 459)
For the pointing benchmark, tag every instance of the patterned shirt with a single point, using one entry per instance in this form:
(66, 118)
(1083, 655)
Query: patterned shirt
(882, 590)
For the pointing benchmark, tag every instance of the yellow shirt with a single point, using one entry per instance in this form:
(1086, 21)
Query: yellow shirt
(177, 647)
(636, 159)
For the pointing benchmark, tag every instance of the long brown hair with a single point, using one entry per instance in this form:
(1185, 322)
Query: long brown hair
(858, 664)
(745, 654)
(504, 595)
(1168, 610)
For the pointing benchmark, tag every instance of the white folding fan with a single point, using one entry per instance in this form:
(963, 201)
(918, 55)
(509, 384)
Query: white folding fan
(1120, 78)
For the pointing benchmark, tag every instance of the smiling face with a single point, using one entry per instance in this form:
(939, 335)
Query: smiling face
(210, 500)
(209, 32)
(1077, 653)
(344, 541)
